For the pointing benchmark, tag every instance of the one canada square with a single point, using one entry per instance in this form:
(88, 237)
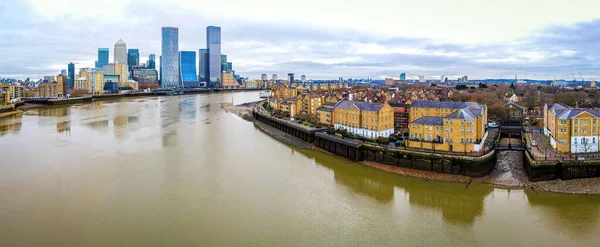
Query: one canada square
(170, 58)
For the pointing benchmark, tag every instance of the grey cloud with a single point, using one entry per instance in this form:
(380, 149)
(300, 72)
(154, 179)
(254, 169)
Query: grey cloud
(32, 47)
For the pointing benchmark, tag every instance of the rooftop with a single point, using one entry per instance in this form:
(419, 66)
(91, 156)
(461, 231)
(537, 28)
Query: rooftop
(429, 121)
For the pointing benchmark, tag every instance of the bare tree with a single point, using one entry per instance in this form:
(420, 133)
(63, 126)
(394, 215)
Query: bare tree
(585, 145)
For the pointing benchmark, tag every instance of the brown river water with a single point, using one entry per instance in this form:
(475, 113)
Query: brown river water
(181, 171)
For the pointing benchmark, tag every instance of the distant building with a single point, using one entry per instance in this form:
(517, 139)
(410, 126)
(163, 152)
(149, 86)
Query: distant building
(63, 72)
(102, 57)
(465, 79)
(223, 62)
(274, 77)
(71, 79)
(151, 63)
(421, 78)
(146, 77)
(389, 81)
(442, 78)
(291, 78)
(133, 58)
(202, 65)
(263, 77)
(229, 81)
(230, 68)
(213, 44)
(169, 60)
(120, 52)
(48, 78)
(187, 69)
(303, 78)
(403, 77)
(61, 83)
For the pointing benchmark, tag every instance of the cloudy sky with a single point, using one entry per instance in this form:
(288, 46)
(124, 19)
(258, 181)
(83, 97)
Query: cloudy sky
(324, 39)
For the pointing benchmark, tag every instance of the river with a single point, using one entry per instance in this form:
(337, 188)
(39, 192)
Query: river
(181, 171)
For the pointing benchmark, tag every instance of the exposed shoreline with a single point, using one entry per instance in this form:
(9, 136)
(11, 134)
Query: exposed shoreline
(588, 186)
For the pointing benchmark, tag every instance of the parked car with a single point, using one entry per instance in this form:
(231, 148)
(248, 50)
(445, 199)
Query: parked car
(533, 143)
(493, 125)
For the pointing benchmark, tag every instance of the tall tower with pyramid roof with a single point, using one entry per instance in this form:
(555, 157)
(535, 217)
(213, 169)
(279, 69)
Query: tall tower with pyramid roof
(120, 52)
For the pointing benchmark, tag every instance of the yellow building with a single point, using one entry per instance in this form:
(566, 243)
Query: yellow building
(4, 99)
(31, 93)
(283, 92)
(310, 103)
(447, 126)
(47, 90)
(61, 82)
(325, 112)
(228, 81)
(570, 129)
(81, 84)
(370, 120)
(121, 70)
(95, 81)
(14, 91)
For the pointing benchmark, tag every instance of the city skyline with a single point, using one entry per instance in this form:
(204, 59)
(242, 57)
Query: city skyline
(551, 44)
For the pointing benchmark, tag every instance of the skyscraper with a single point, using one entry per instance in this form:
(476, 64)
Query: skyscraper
(63, 72)
(223, 62)
(71, 80)
(229, 67)
(213, 44)
(151, 64)
(403, 77)
(303, 78)
(202, 65)
(291, 78)
(187, 69)
(169, 61)
(263, 77)
(102, 57)
(133, 58)
(120, 52)
(274, 77)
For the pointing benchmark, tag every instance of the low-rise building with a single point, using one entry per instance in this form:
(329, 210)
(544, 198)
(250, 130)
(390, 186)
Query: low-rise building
(447, 126)
(401, 112)
(370, 120)
(571, 129)
(514, 112)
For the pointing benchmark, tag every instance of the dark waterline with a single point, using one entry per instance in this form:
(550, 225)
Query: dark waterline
(182, 171)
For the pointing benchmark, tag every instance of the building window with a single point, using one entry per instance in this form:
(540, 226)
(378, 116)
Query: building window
(584, 131)
(575, 141)
(584, 122)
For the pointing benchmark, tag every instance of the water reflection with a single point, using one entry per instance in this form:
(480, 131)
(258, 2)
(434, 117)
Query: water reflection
(59, 111)
(100, 124)
(10, 124)
(170, 115)
(579, 215)
(63, 127)
(456, 204)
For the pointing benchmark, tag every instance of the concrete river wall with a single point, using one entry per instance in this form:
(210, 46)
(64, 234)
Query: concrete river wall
(358, 151)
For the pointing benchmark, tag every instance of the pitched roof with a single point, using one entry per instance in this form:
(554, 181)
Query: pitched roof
(363, 106)
(462, 114)
(429, 121)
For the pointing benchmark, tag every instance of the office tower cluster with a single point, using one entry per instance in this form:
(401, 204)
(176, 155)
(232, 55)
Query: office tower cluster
(177, 68)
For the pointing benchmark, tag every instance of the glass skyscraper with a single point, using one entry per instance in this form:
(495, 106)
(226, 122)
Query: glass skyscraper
(71, 80)
(187, 69)
(102, 57)
(223, 62)
(213, 44)
(151, 64)
(169, 61)
(133, 58)
(202, 65)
